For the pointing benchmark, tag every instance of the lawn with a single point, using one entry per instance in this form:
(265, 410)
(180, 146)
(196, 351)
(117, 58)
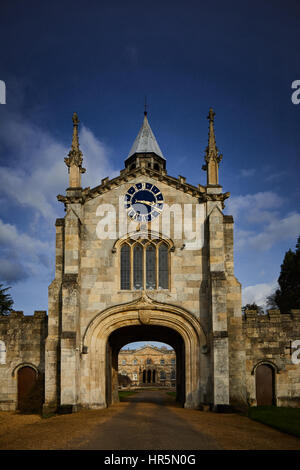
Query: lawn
(284, 419)
(125, 393)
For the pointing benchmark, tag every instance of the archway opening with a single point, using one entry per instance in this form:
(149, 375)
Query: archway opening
(156, 370)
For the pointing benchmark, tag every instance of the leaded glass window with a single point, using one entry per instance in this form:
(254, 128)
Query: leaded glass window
(125, 267)
(144, 264)
(163, 267)
(138, 267)
(150, 267)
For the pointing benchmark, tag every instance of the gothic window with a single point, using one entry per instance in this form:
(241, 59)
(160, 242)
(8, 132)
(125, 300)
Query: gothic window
(173, 374)
(138, 267)
(135, 361)
(148, 361)
(162, 362)
(150, 267)
(163, 266)
(2, 352)
(125, 267)
(123, 362)
(162, 375)
(144, 265)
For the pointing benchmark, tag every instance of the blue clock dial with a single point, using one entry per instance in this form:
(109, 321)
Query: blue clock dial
(143, 202)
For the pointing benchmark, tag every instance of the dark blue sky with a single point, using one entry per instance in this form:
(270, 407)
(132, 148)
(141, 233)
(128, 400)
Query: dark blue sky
(100, 58)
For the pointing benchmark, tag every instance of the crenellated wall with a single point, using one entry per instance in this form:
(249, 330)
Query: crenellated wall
(267, 340)
(24, 338)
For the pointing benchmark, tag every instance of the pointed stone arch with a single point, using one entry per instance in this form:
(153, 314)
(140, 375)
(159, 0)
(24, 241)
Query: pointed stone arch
(147, 312)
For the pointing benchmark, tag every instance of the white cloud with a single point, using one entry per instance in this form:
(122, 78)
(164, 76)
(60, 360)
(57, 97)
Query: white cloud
(11, 239)
(21, 255)
(11, 270)
(259, 223)
(245, 173)
(254, 205)
(33, 174)
(276, 230)
(258, 293)
(39, 173)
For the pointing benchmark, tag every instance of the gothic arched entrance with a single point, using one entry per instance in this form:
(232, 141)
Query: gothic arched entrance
(141, 320)
(265, 385)
(28, 394)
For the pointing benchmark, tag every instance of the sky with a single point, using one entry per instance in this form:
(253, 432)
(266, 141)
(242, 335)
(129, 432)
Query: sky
(100, 59)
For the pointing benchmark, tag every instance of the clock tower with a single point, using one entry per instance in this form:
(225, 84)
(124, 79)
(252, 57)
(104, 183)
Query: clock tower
(168, 277)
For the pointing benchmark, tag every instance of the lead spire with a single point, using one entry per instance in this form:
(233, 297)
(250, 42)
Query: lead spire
(74, 159)
(212, 156)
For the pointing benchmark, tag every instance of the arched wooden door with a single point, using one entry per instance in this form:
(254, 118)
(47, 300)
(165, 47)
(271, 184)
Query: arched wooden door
(27, 389)
(265, 395)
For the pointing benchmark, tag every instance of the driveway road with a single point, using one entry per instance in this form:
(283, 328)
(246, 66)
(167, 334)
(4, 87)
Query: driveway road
(148, 423)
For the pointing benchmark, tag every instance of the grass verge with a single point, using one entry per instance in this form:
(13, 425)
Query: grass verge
(284, 419)
(125, 393)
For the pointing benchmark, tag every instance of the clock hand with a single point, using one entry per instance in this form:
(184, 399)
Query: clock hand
(148, 203)
(152, 204)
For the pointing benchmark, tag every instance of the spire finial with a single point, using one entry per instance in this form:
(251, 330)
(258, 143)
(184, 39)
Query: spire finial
(145, 106)
(212, 156)
(75, 139)
(74, 159)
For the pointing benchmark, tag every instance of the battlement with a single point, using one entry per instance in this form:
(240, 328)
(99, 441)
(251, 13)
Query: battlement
(272, 315)
(19, 315)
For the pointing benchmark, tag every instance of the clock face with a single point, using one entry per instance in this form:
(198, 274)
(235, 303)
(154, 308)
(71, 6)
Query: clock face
(144, 202)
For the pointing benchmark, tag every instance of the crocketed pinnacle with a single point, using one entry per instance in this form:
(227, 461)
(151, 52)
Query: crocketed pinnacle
(211, 149)
(75, 154)
(212, 157)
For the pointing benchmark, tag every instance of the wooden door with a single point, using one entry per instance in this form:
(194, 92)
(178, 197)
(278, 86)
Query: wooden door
(27, 382)
(265, 385)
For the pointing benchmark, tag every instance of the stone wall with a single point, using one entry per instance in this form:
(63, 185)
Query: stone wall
(24, 338)
(267, 340)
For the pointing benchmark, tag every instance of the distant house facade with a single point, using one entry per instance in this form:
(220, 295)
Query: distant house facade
(148, 365)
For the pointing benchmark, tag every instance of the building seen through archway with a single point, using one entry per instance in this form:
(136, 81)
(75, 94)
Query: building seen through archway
(147, 365)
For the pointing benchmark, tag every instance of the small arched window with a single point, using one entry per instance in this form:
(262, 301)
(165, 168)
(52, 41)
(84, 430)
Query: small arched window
(2, 352)
(144, 265)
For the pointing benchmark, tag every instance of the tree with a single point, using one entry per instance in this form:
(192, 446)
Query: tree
(253, 306)
(271, 301)
(6, 302)
(288, 294)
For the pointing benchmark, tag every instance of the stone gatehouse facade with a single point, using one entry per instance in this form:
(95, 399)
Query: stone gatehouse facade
(146, 256)
(148, 365)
